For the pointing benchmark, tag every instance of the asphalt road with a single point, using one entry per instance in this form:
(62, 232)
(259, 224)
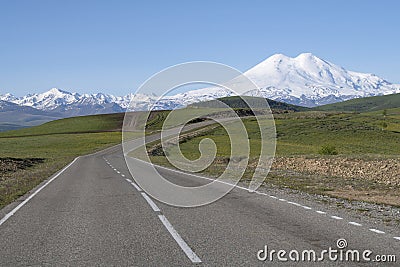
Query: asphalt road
(94, 214)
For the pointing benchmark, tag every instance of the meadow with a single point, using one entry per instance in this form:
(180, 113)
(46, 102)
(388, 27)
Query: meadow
(363, 166)
(30, 155)
(344, 154)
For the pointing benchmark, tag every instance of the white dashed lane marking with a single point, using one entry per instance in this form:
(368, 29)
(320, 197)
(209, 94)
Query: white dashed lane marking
(155, 208)
(376, 231)
(184, 246)
(175, 235)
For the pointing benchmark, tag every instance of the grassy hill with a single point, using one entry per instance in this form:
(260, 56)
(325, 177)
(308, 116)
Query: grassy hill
(82, 124)
(30, 155)
(240, 102)
(343, 155)
(364, 104)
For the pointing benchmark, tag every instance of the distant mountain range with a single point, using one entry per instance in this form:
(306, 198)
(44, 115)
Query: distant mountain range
(305, 80)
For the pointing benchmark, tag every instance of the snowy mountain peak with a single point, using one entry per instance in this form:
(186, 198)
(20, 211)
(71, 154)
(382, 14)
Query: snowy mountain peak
(308, 80)
(307, 56)
(310, 59)
(56, 92)
(303, 80)
(8, 97)
(277, 57)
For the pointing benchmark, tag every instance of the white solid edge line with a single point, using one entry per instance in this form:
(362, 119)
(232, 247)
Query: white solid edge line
(241, 187)
(184, 246)
(11, 213)
(136, 186)
(376, 231)
(355, 223)
(151, 203)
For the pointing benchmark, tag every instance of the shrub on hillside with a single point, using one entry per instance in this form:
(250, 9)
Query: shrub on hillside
(328, 150)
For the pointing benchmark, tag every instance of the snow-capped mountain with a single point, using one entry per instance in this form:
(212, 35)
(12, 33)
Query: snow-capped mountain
(304, 80)
(55, 98)
(310, 81)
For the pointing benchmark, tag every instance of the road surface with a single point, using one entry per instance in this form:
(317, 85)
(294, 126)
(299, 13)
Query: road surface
(94, 214)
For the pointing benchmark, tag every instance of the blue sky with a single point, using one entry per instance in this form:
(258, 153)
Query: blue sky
(114, 46)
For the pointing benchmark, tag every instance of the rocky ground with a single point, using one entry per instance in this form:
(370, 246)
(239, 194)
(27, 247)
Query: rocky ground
(385, 171)
(8, 165)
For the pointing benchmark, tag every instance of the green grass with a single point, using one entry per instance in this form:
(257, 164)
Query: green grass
(392, 118)
(165, 119)
(156, 119)
(58, 143)
(298, 133)
(358, 136)
(351, 134)
(83, 124)
(213, 107)
(364, 104)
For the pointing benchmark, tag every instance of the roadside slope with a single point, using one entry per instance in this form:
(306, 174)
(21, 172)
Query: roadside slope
(30, 155)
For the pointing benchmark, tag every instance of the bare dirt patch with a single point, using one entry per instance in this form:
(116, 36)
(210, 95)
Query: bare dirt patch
(18, 175)
(386, 171)
(374, 196)
(8, 165)
(371, 180)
